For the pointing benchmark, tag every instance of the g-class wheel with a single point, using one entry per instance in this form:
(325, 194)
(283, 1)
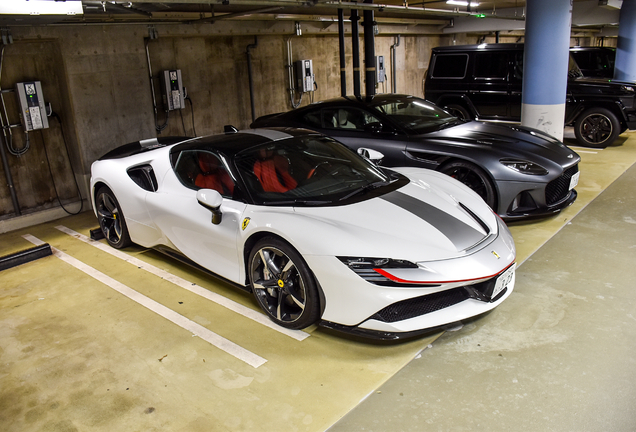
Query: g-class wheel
(458, 111)
(597, 127)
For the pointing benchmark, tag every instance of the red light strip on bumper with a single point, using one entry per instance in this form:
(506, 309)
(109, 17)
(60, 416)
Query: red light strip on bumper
(404, 281)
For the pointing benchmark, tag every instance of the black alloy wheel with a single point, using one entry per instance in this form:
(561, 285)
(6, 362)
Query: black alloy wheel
(597, 127)
(111, 219)
(458, 111)
(473, 177)
(283, 284)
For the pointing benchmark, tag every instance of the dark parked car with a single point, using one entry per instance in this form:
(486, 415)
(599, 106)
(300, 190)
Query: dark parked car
(595, 62)
(518, 171)
(485, 81)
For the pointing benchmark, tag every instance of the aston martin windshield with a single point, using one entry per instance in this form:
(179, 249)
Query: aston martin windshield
(308, 170)
(415, 115)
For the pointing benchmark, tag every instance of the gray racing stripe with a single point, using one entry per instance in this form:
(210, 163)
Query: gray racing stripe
(461, 235)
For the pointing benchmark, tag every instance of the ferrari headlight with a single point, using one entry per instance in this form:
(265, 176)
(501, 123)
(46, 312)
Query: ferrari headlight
(367, 268)
(371, 263)
(524, 167)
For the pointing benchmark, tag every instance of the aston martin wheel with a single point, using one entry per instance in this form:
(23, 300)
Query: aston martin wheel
(473, 177)
(111, 219)
(458, 111)
(597, 127)
(283, 284)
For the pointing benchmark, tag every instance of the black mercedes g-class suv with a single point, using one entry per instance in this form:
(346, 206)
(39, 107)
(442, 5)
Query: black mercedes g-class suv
(484, 82)
(595, 61)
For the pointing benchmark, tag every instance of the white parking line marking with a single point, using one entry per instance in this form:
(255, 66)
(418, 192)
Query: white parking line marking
(183, 322)
(260, 318)
(584, 150)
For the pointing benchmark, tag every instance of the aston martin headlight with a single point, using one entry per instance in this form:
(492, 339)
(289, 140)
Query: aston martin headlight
(371, 263)
(524, 167)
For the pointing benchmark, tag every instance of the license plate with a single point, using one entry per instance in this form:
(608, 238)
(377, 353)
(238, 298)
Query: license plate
(574, 180)
(503, 280)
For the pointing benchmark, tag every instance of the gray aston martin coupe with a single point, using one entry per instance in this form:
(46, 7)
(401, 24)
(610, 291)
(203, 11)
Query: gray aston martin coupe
(520, 172)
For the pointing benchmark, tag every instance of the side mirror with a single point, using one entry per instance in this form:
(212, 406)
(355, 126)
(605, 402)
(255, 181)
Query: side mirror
(211, 200)
(371, 155)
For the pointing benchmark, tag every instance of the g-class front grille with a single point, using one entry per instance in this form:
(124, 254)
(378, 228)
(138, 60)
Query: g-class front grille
(558, 189)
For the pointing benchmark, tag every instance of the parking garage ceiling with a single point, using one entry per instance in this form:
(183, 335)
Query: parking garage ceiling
(452, 16)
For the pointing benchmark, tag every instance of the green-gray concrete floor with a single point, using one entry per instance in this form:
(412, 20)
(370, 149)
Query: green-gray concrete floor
(559, 355)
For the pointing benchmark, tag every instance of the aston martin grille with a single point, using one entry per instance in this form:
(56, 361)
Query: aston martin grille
(558, 189)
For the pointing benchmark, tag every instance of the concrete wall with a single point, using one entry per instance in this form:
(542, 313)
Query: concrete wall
(97, 80)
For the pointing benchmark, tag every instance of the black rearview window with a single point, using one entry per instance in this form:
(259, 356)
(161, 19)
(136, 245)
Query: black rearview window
(450, 66)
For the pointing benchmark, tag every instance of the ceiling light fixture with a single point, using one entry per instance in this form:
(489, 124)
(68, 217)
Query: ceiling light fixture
(462, 3)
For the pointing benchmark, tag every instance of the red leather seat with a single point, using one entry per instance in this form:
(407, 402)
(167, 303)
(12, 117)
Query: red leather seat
(273, 173)
(213, 175)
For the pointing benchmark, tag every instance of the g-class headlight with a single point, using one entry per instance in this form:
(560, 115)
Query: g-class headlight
(524, 167)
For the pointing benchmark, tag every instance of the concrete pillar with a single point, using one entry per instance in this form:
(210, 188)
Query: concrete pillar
(545, 70)
(625, 66)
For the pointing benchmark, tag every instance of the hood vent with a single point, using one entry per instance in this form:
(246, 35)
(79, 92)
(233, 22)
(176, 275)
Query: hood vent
(477, 218)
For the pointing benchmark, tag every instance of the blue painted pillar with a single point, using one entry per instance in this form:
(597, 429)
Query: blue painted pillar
(625, 66)
(545, 70)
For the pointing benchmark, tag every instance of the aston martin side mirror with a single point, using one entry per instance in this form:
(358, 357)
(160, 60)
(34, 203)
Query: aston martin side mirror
(211, 200)
(373, 156)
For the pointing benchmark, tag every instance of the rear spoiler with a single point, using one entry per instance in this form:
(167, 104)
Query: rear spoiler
(141, 146)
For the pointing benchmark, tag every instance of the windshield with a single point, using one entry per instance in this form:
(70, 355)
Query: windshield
(308, 170)
(416, 115)
(573, 68)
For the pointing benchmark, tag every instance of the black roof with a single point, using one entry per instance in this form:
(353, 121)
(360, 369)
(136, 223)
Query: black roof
(480, 47)
(228, 143)
(361, 100)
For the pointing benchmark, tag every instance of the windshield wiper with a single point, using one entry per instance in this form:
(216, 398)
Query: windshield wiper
(365, 188)
(450, 123)
(295, 202)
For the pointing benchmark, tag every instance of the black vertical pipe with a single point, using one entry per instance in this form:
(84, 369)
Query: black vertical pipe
(341, 43)
(369, 52)
(249, 74)
(355, 48)
(7, 173)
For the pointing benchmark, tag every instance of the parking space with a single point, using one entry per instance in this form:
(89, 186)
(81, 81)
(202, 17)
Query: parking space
(78, 350)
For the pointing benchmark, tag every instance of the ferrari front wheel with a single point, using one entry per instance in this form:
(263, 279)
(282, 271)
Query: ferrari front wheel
(283, 284)
(111, 219)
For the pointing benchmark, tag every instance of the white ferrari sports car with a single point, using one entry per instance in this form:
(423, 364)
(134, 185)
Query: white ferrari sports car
(318, 233)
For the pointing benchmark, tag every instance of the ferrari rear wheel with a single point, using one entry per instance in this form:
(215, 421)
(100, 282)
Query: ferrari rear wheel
(111, 219)
(473, 177)
(283, 284)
